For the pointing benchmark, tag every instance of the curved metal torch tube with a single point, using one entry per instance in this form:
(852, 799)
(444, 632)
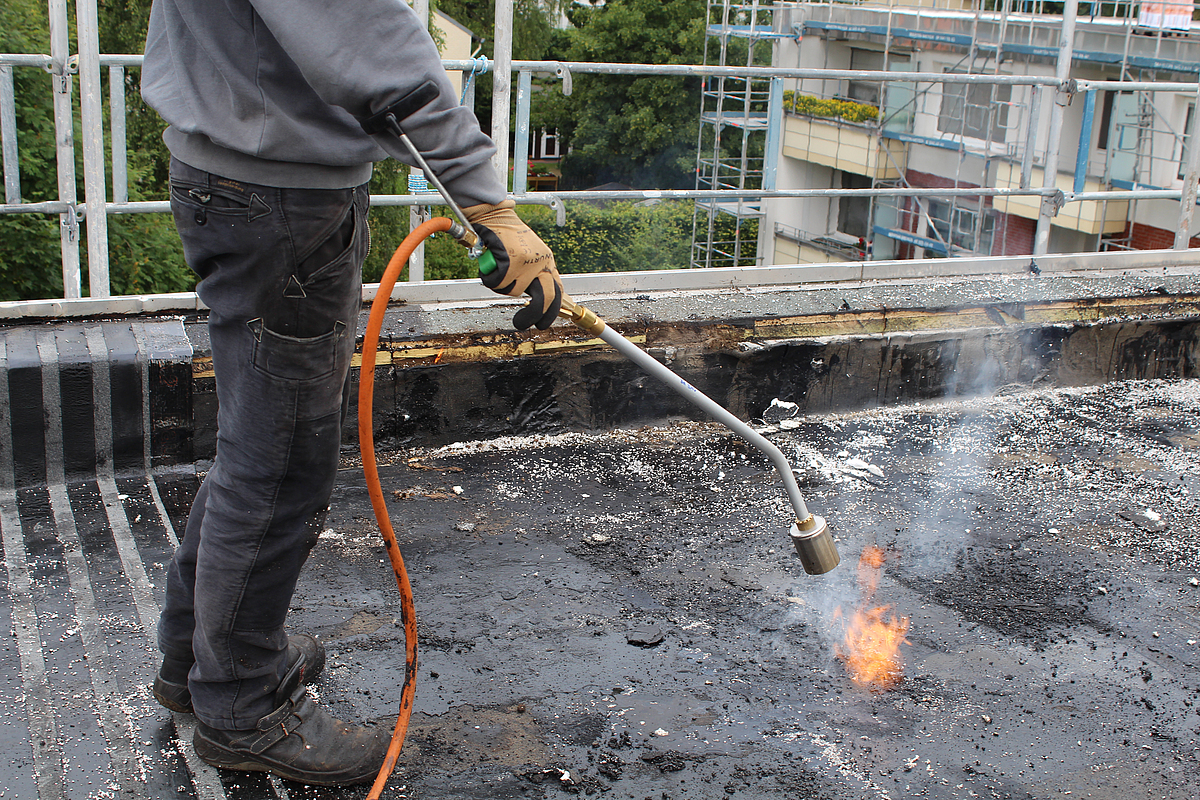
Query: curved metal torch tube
(702, 401)
(808, 526)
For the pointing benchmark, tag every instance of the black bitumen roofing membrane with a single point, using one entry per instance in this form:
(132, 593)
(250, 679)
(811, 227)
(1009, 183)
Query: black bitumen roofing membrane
(621, 614)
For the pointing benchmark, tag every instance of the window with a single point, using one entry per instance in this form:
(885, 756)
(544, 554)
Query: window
(956, 225)
(854, 213)
(543, 144)
(865, 91)
(870, 92)
(1106, 112)
(977, 110)
(550, 144)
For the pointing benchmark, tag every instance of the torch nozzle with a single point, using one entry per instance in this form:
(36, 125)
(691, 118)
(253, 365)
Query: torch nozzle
(814, 544)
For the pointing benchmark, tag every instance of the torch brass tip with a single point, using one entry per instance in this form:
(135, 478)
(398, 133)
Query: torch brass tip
(582, 317)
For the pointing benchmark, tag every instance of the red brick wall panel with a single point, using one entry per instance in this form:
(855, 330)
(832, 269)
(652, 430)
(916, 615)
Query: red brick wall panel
(1014, 235)
(1148, 237)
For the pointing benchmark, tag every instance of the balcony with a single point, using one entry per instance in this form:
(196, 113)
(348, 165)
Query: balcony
(1087, 216)
(794, 246)
(848, 146)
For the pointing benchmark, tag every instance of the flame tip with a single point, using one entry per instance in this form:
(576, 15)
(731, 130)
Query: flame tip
(871, 644)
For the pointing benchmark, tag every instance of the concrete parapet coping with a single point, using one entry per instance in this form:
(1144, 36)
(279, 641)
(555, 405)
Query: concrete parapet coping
(136, 389)
(949, 282)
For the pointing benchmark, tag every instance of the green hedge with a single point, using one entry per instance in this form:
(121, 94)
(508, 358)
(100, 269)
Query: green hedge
(612, 237)
(627, 237)
(616, 237)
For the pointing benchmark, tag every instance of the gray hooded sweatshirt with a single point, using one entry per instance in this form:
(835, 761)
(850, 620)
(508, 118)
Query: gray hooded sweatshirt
(272, 91)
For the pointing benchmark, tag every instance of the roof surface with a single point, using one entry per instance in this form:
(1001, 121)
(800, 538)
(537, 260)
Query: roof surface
(623, 612)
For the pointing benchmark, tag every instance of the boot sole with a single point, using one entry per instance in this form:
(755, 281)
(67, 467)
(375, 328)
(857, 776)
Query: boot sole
(216, 755)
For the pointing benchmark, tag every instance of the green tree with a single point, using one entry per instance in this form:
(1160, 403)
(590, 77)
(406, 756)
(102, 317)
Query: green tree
(639, 130)
(533, 38)
(144, 251)
(30, 265)
(533, 23)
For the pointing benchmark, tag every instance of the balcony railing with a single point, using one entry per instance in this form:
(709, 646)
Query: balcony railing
(840, 247)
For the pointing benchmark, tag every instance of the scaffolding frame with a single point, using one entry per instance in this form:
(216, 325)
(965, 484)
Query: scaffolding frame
(738, 133)
(741, 182)
(992, 36)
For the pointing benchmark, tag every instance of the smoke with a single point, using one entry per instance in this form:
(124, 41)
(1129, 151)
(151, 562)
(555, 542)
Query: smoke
(944, 522)
(925, 538)
(974, 368)
(935, 459)
(819, 602)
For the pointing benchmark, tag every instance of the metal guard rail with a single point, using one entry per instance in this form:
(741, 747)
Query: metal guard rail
(63, 65)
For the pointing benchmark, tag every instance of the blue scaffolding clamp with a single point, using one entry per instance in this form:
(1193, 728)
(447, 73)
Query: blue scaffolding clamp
(479, 66)
(417, 182)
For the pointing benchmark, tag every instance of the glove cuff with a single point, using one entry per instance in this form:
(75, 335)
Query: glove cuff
(481, 211)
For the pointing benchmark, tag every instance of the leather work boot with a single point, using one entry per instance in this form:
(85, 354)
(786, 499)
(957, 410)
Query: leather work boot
(298, 741)
(170, 684)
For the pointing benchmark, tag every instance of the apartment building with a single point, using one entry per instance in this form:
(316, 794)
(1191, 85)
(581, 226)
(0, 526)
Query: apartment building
(847, 133)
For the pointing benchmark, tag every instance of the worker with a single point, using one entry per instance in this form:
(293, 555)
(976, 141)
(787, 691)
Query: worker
(264, 102)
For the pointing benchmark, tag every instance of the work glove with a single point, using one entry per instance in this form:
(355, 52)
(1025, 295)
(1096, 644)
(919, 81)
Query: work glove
(524, 264)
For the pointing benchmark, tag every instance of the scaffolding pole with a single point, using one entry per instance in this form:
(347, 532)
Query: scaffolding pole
(91, 104)
(502, 86)
(64, 143)
(1062, 72)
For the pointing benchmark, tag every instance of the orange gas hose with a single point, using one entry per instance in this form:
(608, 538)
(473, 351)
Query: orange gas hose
(366, 444)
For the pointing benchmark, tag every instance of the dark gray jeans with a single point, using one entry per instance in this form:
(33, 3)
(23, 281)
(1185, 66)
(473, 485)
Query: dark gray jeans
(281, 275)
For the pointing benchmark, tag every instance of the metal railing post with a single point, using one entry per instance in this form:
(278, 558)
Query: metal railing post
(418, 214)
(120, 163)
(774, 143)
(64, 144)
(92, 113)
(502, 87)
(1085, 140)
(773, 149)
(8, 133)
(521, 145)
(468, 97)
(1062, 72)
(1191, 174)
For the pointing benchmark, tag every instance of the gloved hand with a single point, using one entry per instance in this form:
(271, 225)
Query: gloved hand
(524, 264)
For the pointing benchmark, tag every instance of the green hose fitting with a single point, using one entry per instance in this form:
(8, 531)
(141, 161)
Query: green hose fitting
(487, 263)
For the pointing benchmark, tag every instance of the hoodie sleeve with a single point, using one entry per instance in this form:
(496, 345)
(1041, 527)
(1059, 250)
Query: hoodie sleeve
(362, 56)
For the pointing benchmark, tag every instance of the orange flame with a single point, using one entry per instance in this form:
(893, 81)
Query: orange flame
(871, 646)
